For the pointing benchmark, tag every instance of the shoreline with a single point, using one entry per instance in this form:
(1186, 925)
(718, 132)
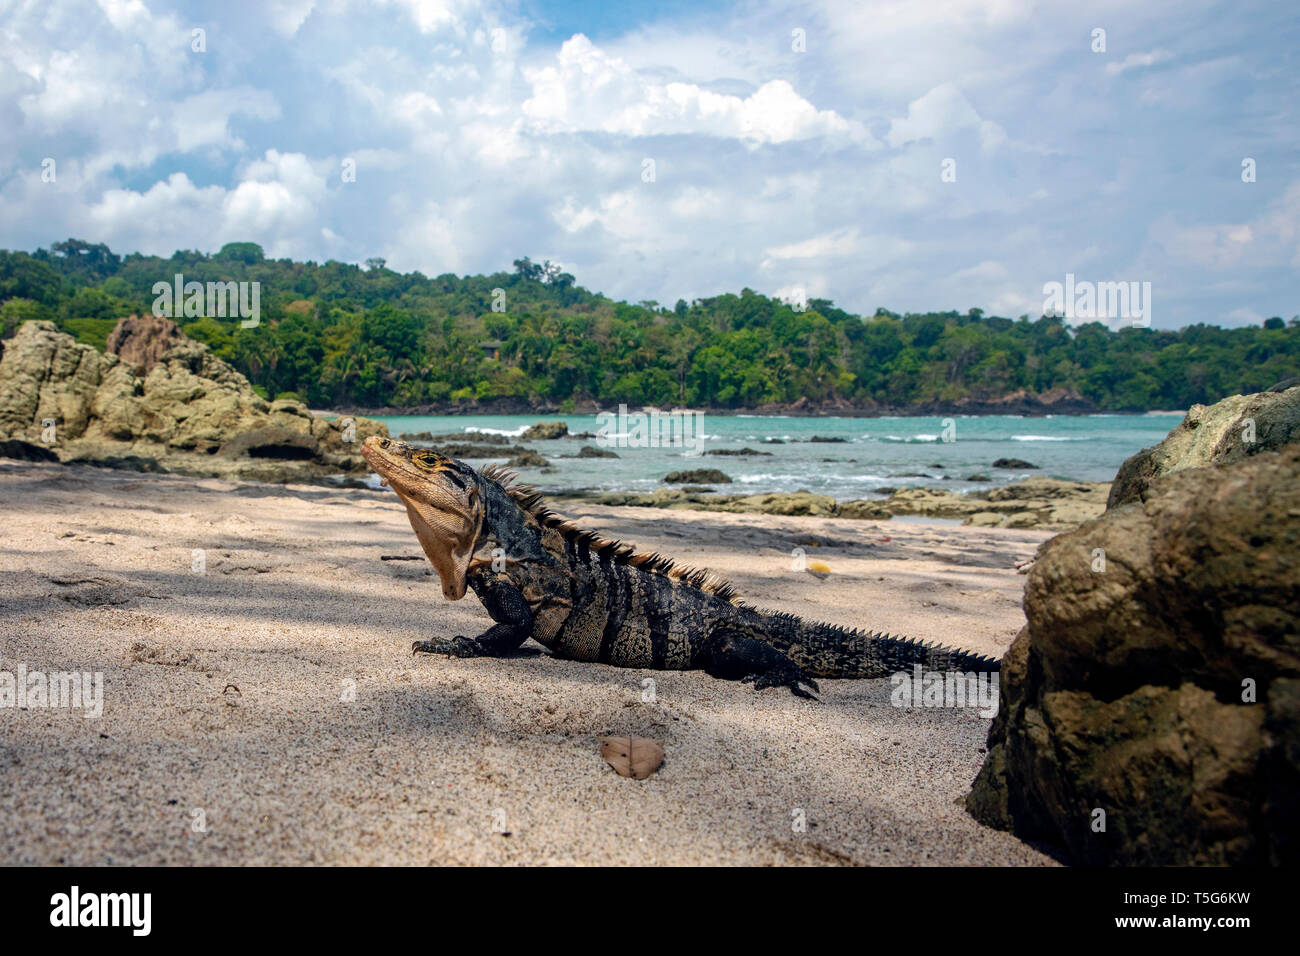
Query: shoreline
(588, 411)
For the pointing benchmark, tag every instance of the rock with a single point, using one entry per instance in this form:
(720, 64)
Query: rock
(977, 478)
(737, 451)
(1044, 503)
(176, 409)
(932, 502)
(545, 431)
(25, 451)
(587, 451)
(478, 438)
(697, 476)
(1213, 435)
(474, 439)
(1031, 503)
(786, 503)
(272, 441)
(1013, 463)
(474, 450)
(1125, 692)
(870, 510)
(832, 439)
(528, 459)
(141, 340)
(1047, 488)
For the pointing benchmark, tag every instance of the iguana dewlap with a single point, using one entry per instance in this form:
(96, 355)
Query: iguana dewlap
(591, 599)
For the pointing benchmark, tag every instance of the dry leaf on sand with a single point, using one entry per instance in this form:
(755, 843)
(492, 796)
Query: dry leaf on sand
(635, 757)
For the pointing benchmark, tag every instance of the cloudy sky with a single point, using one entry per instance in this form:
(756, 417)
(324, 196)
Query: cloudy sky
(680, 149)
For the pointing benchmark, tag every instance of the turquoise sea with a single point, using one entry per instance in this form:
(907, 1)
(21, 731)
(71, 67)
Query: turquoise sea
(875, 452)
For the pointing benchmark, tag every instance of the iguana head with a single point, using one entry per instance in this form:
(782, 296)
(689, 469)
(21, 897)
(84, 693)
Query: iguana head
(442, 499)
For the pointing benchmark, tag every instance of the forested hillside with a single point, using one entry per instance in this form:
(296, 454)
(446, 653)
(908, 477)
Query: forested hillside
(342, 335)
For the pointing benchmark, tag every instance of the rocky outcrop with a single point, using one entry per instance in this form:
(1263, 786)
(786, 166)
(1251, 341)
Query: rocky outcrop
(178, 409)
(1150, 708)
(777, 503)
(1218, 434)
(25, 451)
(1033, 503)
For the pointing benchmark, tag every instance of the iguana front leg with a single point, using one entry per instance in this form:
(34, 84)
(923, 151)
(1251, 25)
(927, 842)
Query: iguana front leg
(731, 655)
(507, 606)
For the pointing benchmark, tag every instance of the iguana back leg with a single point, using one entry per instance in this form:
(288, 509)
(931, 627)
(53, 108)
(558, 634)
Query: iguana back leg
(507, 606)
(733, 655)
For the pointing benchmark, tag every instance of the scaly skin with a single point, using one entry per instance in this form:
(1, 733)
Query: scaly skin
(589, 599)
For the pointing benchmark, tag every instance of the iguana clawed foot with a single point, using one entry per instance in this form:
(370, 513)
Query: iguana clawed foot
(735, 656)
(783, 675)
(456, 647)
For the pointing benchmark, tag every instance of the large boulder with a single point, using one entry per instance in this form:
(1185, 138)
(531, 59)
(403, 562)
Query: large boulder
(1157, 680)
(166, 403)
(1218, 434)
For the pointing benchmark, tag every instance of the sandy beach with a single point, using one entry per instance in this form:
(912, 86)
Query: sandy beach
(261, 704)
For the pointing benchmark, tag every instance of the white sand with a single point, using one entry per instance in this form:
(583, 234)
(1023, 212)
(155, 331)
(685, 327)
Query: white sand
(433, 754)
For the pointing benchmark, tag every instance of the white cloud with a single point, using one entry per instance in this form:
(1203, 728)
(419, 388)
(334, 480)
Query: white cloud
(275, 201)
(842, 243)
(940, 113)
(587, 89)
(1138, 61)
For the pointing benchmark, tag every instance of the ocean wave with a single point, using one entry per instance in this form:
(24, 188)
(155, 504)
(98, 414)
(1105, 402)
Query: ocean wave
(507, 432)
(915, 439)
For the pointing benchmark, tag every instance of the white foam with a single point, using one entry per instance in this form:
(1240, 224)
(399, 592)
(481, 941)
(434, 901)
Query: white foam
(507, 432)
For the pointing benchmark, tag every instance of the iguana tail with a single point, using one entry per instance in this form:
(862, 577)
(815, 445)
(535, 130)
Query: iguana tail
(828, 650)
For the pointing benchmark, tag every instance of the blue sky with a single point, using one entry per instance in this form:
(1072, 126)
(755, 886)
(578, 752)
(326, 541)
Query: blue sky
(482, 132)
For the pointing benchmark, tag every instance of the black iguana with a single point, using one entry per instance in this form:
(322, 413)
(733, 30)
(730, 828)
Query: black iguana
(590, 599)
